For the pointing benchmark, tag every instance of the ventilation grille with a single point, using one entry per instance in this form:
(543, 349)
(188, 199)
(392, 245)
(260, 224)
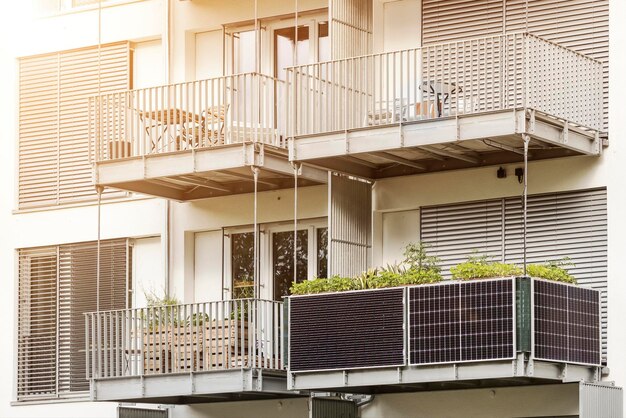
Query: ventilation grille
(124, 412)
(347, 331)
(567, 323)
(461, 322)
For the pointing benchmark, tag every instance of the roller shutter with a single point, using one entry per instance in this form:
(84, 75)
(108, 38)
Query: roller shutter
(57, 285)
(565, 224)
(53, 120)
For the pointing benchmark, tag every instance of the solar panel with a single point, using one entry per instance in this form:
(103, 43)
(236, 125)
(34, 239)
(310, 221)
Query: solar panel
(466, 321)
(347, 330)
(566, 323)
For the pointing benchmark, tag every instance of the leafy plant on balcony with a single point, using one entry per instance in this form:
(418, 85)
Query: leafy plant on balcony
(552, 270)
(417, 268)
(482, 267)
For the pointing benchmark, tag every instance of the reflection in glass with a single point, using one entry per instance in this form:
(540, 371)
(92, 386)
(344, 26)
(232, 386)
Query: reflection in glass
(284, 46)
(282, 260)
(242, 262)
(323, 48)
(322, 252)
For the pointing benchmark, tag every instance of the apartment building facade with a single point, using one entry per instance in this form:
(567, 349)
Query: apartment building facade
(207, 155)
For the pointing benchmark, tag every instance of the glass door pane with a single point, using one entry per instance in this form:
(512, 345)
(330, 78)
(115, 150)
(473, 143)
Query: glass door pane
(284, 48)
(242, 262)
(282, 260)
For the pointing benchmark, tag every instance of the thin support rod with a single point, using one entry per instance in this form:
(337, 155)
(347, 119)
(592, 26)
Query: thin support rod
(99, 190)
(255, 172)
(296, 172)
(525, 197)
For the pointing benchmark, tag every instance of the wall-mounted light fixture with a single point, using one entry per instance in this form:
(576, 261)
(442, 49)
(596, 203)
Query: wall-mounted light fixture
(519, 172)
(501, 173)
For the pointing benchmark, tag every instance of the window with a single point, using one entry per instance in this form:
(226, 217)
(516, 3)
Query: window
(57, 285)
(54, 165)
(283, 253)
(242, 264)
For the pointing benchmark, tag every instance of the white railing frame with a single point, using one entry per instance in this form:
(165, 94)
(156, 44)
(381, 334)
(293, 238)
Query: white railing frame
(502, 72)
(238, 108)
(221, 335)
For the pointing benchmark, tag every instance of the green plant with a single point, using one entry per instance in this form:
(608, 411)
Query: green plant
(481, 267)
(417, 268)
(552, 270)
(160, 310)
(416, 258)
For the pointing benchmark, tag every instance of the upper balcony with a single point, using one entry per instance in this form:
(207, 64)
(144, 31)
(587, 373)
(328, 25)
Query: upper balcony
(194, 140)
(445, 106)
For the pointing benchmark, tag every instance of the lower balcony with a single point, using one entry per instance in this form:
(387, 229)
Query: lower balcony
(485, 333)
(447, 106)
(181, 354)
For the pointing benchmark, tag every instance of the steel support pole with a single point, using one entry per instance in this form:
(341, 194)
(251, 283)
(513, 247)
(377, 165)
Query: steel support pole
(255, 172)
(526, 139)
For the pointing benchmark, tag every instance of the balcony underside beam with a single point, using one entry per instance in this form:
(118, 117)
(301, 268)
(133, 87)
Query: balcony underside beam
(203, 173)
(432, 145)
(200, 387)
(457, 375)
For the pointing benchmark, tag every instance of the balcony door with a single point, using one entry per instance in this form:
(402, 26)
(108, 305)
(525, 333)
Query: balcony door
(310, 251)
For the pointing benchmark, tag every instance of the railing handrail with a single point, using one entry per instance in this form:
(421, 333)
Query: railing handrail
(182, 83)
(446, 43)
(182, 304)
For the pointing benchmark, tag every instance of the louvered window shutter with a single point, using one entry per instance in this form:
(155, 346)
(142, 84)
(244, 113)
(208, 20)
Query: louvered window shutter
(37, 323)
(53, 122)
(450, 20)
(77, 295)
(454, 232)
(57, 286)
(566, 224)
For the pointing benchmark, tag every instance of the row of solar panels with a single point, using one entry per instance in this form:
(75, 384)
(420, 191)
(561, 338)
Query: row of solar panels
(444, 323)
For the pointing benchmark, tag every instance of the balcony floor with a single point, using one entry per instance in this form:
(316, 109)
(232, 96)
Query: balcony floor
(443, 376)
(203, 173)
(196, 387)
(446, 143)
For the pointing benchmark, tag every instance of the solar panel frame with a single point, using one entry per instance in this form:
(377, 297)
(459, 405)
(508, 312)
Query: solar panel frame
(568, 349)
(462, 356)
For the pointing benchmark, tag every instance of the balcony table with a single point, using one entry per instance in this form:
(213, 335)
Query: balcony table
(176, 119)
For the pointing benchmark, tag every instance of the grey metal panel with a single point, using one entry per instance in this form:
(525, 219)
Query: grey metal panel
(333, 408)
(600, 401)
(125, 412)
(349, 225)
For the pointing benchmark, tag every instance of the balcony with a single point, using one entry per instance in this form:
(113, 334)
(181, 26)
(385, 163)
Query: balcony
(202, 352)
(498, 332)
(445, 106)
(194, 140)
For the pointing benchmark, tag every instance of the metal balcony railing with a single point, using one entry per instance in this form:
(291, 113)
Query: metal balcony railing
(183, 116)
(224, 335)
(509, 71)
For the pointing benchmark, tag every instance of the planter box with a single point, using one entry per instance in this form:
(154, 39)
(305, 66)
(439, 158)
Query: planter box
(181, 348)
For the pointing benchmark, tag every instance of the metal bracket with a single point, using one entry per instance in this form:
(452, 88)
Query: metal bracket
(533, 122)
(143, 386)
(565, 133)
(347, 141)
(192, 382)
(345, 378)
(193, 159)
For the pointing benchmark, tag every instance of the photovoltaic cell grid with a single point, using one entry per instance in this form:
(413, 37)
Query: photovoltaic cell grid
(347, 331)
(461, 322)
(567, 323)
